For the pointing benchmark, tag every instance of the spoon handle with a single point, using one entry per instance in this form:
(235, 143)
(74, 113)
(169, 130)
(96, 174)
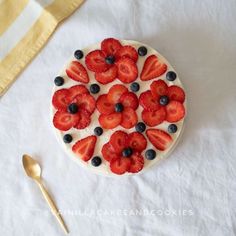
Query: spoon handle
(52, 206)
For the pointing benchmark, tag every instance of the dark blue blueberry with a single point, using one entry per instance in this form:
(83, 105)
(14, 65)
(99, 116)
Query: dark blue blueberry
(67, 138)
(96, 161)
(110, 60)
(171, 75)
(119, 107)
(127, 152)
(150, 154)
(134, 87)
(94, 88)
(58, 81)
(172, 128)
(164, 100)
(142, 51)
(78, 54)
(140, 127)
(98, 131)
(73, 108)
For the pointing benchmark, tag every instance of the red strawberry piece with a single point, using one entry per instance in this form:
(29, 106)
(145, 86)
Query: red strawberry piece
(108, 152)
(63, 120)
(153, 118)
(120, 165)
(127, 70)
(137, 141)
(77, 72)
(76, 90)
(115, 93)
(137, 163)
(127, 51)
(152, 68)
(110, 121)
(148, 102)
(176, 93)
(103, 106)
(60, 99)
(84, 148)
(84, 119)
(159, 138)
(107, 76)
(87, 102)
(175, 111)
(95, 61)
(129, 100)
(129, 118)
(118, 141)
(158, 88)
(110, 46)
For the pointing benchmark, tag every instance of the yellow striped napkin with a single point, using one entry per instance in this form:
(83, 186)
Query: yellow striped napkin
(25, 27)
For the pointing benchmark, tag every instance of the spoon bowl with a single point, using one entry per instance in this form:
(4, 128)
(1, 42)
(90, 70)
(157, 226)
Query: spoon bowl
(32, 167)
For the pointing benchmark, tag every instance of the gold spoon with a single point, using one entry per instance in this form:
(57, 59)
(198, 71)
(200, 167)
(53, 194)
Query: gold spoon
(33, 170)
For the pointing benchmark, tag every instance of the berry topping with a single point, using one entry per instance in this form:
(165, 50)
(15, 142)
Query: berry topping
(153, 118)
(58, 81)
(137, 141)
(175, 111)
(110, 59)
(148, 102)
(86, 102)
(159, 88)
(110, 46)
(110, 121)
(94, 88)
(118, 141)
(164, 100)
(98, 131)
(67, 138)
(142, 51)
(127, 51)
(84, 119)
(150, 154)
(119, 107)
(129, 118)
(73, 108)
(77, 72)
(78, 54)
(127, 152)
(140, 127)
(171, 75)
(96, 161)
(60, 99)
(176, 93)
(137, 163)
(172, 128)
(76, 90)
(134, 87)
(129, 99)
(152, 68)
(107, 76)
(115, 93)
(104, 106)
(120, 165)
(108, 152)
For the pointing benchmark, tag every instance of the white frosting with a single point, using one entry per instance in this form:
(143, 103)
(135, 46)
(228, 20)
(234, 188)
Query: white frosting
(101, 140)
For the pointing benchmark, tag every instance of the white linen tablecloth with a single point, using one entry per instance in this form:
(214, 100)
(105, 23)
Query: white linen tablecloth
(191, 193)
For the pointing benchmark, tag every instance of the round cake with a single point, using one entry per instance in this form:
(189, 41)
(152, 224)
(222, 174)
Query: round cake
(118, 107)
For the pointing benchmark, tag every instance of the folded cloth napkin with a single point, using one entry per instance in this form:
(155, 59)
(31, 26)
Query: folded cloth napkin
(25, 27)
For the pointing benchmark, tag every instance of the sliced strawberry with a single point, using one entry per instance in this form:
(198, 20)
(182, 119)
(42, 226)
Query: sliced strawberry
(129, 118)
(84, 119)
(76, 90)
(110, 46)
(176, 93)
(153, 118)
(77, 72)
(107, 76)
(86, 102)
(118, 141)
(115, 93)
(103, 106)
(63, 120)
(137, 163)
(60, 99)
(159, 138)
(152, 68)
(158, 88)
(175, 111)
(127, 51)
(137, 141)
(108, 152)
(120, 165)
(110, 121)
(84, 148)
(129, 99)
(127, 70)
(148, 102)
(95, 61)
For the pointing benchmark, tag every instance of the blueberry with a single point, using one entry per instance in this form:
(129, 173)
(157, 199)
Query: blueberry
(110, 60)
(78, 54)
(119, 107)
(94, 88)
(164, 100)
(140, 127)
(98, 131)
(96, 161)
(58, 81)
(171, 75)
(142, 51)
(172, 128)
(134, 87)
(127, 152)
(73, 108)
(150, 154)
(67, 138)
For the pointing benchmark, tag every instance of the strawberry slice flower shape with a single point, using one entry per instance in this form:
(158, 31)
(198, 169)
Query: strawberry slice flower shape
(117, 108)
(113, 61)
(74, 107)
(162, 103)
(123, 151)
